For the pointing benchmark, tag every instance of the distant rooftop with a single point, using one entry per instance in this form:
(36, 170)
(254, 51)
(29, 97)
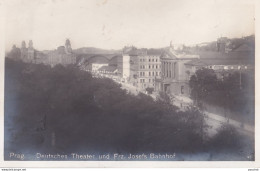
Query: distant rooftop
(243, 48)
(108, 68)
(220, 61)
(171, 53)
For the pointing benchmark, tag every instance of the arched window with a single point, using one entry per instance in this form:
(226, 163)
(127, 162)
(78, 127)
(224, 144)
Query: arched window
(182, 89)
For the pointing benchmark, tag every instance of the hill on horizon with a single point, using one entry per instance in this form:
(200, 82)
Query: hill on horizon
(93, 50)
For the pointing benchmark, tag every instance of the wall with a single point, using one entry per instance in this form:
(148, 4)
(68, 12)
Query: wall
(175, 88)
(126, 66)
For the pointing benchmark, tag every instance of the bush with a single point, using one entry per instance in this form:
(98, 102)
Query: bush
(149, 90)
(226, 138)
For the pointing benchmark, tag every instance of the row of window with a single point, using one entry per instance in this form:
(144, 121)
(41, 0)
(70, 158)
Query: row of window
(150, 66)
(150, 73)
(146, 85)
(228, 67)
(150, 80)
(149, 60)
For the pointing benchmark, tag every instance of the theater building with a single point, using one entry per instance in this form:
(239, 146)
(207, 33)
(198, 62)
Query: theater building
(173, 78)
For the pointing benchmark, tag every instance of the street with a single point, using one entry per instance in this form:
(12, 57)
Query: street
(213, 120)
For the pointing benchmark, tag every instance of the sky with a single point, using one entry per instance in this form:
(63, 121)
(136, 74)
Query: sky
(113, 24)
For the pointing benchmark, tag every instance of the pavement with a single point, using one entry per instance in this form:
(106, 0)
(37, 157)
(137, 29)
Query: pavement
(241, 127)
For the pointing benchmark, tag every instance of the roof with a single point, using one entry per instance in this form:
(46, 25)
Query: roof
(171, 53)
(225, 62)
(196, 63)
(108, 68)
(243, 48)
(143, 51)
(230, 55)
(155, 52)
(204, 62)
(136, 52)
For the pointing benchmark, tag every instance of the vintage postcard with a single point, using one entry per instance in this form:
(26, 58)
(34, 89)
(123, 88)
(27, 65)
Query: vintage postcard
(128, 83)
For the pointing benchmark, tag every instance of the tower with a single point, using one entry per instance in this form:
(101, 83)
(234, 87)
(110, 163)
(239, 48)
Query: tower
(68, 48)
(30, 52)
(23, 44)
(31, 44)
(23, 51)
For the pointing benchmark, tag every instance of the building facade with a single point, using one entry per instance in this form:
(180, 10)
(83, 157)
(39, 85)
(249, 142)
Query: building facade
(140, 67)
(178, 67)
(149, 69)
(62, 55)
(174, 79)
(28, 54)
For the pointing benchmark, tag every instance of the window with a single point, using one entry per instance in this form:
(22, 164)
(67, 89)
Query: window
(149, 80)
(149, 66)
(182, 89)
(156, 73)
(149, 60)
(153, 73)
(149, 73)
(156, 66)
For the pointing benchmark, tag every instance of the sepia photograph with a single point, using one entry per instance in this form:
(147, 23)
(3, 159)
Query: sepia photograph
(129, 80)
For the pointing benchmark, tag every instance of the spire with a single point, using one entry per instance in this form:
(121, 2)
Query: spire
(67, 44)
(23, 45)
(171, 45)
(30, 44)
(68, 48)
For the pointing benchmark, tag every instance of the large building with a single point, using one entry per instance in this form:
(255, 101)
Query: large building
(123, 63)
(173, 79)
(239, 59)
(62, 55)
(178, 67)
(28, 54)
(149, 68)
(140, 67)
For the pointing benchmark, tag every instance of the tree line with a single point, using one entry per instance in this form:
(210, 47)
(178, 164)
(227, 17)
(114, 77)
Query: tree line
(234, 91)
(65, 110)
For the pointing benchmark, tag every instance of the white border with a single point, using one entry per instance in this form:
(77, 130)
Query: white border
(127, 164)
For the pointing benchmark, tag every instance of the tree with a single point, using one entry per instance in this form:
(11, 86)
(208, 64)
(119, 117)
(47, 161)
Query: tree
(202, 84)
(149, 90)
(90, 115)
